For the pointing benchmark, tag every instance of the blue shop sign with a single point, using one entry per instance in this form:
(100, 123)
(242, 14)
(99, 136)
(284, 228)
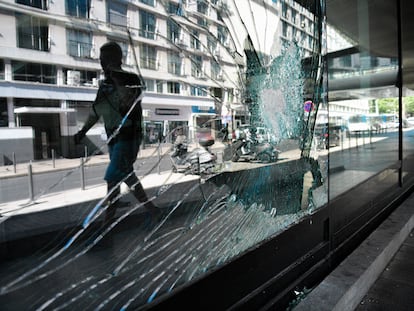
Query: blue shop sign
(202, 109)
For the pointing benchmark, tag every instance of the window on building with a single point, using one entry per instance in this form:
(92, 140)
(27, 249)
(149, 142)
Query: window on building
(4, 119)
(221, 34)
(211, 43)
(78, 8)
(198, 90)
(173, 8)
(33, 72)
(174, 63)
(147, 25)
(195, 40)
(202, 7)
(173, 31)
(173, 87)
(215, 70)
(148, 2)
(202, 21)
(117, 13)
(79, 43)
(150, 85)
(40, 4)
(2, 70)
(32, 32)
(196, 66)
(148, 57)
(160, 86)
(86, 77)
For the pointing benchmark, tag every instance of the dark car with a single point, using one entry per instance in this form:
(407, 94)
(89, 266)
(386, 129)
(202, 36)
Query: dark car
(327, 135)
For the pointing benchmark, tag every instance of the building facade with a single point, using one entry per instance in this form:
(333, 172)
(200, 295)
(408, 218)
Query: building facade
(50, 66)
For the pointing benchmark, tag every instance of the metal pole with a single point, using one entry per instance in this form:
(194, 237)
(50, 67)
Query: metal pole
(14, 163)
(86, 151)
(159, 158)
(30, 175)
(82, 171)
(53, 158)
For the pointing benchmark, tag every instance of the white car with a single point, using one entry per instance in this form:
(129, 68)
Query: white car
(410, 121)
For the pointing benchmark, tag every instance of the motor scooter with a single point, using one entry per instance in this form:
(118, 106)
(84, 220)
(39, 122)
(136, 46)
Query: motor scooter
(199, 161)
(251, 150)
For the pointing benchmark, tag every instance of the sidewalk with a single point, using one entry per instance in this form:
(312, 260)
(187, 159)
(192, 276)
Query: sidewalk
(378, 275)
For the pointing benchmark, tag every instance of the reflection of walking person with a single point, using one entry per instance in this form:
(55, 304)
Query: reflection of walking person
(225, 132)
(115, 97)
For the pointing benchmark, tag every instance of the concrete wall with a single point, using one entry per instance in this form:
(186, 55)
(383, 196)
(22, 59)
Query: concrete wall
(16, 140)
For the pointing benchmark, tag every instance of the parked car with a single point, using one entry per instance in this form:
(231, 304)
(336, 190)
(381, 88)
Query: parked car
(263, 134)
(410, 121)
(327, 135)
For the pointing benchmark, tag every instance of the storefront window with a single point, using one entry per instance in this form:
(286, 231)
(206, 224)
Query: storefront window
(240, 144)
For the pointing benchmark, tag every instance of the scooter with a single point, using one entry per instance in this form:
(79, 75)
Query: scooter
(250, 150)
(200, 161)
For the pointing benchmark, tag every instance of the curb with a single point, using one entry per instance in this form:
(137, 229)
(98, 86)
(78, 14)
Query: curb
(345, 287)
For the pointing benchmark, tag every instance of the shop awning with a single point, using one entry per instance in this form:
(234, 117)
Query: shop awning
(42, 110)
(43, 91)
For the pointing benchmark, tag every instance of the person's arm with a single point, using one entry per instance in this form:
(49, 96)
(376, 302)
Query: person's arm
(92, 119)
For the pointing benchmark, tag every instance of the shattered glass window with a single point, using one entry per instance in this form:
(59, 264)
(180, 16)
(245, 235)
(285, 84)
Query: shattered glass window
(214, 141)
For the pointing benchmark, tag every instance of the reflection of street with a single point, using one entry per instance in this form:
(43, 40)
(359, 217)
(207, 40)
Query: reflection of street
(351, 166)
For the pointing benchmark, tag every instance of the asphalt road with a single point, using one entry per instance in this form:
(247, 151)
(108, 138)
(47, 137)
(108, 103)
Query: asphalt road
(18, 188)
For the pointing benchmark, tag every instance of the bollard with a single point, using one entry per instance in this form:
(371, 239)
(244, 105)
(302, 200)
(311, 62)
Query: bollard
(370, 137)
(14, 163)
(53, 158)
(341, 135)
(82, 173)
(159, 158)
(86, 151)
(30, 175)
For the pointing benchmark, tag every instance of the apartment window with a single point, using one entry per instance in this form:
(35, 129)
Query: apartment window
(117, 13)
(202, 21)
(202, 7)
(173, 31)
(194, 40)
(198, 90)
(215, 70)
(33, 72)
(211, 43)
(196, 66)
(148, 2)
(174, 63)
(173, 8)
(221, 34)
(4, 119)
(2, 70)
(32, 32)
(78, 8)
(147, 25)
(40, 4)
(148, 57)
(160, 86)
(86, 77)
(150, 85)
(173, 87)
(79, 43)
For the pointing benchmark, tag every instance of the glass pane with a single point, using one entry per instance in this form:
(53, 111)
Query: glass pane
(362, 114)
(121, 192)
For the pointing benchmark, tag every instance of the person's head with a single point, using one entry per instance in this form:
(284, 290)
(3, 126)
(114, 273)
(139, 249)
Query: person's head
(110, 56)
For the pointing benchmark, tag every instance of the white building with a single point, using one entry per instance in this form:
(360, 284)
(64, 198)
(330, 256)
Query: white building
(189, 52)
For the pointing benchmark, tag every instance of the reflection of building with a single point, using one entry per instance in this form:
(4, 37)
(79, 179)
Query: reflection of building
(49, 64)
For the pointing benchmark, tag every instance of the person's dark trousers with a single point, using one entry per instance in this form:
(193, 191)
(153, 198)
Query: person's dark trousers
(112, 200)
(138, 191)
